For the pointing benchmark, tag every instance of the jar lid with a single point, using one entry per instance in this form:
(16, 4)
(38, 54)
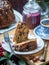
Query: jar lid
(31, 6)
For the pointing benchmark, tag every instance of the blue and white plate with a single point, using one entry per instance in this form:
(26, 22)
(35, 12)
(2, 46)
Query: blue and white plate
(18, 17)
(41, 32)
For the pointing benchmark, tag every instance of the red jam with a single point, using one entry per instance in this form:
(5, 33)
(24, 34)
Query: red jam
(32, 20)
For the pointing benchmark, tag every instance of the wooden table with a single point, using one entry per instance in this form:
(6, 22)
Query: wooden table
(37, 54)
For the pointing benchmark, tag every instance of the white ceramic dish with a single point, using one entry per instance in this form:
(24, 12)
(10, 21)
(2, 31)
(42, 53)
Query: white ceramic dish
(40, 45)
(18, 17)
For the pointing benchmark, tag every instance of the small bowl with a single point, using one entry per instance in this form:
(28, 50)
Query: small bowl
(45, 22)
(45, 25)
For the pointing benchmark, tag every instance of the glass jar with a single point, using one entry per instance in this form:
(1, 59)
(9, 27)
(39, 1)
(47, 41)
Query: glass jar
(31, 14)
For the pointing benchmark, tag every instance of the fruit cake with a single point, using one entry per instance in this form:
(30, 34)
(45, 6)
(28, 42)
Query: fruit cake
(22, 42)
(6, 14)
(25, 46)
(21, 33)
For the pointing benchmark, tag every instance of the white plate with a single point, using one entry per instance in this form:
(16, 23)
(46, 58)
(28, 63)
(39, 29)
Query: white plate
(18, 17)
(39, 31)
(40, 45)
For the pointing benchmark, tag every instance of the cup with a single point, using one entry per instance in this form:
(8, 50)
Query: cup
(45, 25)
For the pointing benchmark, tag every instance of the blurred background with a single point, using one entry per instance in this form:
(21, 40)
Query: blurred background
(18, 4)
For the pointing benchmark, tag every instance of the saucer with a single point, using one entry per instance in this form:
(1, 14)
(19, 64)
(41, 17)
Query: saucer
(40, 31)
(40, 45)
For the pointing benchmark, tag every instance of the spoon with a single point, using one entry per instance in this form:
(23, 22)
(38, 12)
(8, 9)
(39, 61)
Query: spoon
(43, 58)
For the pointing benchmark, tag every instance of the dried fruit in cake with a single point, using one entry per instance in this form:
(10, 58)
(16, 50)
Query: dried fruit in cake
(22, 42)
(21, 32)
(6, 14)
(25, 46)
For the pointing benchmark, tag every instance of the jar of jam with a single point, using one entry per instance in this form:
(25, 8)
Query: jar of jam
(31, 14)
